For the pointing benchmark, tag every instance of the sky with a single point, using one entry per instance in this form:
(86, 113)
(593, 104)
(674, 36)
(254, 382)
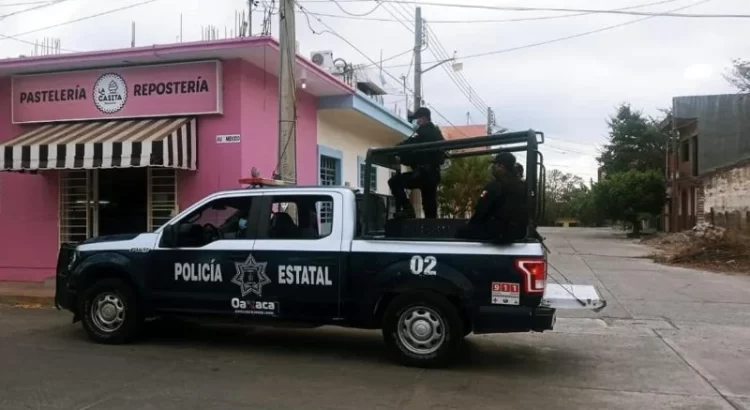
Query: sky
(566, 89)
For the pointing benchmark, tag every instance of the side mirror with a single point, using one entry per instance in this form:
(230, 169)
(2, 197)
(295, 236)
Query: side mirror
(169, 236)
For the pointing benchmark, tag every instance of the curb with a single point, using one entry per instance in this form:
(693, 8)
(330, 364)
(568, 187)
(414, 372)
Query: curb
(26, 300)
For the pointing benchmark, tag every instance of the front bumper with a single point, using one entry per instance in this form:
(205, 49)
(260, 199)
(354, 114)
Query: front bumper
(508, 319)
(65, 298)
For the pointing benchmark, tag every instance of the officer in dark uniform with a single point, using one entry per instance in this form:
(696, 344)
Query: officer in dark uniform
(501, 213)
(425, 165)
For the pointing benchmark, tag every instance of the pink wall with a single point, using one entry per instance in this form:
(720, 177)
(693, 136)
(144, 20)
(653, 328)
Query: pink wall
(251, 110)
(28, 213)
(260, 116)
(29, 203)
(218, 164)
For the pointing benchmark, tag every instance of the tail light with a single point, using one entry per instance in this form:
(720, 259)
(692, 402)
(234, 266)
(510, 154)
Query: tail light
(534, 273)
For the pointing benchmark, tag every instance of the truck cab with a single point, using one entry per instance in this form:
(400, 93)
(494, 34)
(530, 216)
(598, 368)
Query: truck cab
(311, 256)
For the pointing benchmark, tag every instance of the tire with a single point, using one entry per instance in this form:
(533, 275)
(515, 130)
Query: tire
(118, 318)
(430, 313)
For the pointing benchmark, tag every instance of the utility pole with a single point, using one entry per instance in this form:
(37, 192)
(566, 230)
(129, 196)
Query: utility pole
(132, 34)
(249, 18)
(415, 196)
(287, 160)
(418, 59)
(490, 120)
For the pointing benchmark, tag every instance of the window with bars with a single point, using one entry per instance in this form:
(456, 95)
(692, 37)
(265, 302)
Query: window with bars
(329, 175)
(373, 178)
(76, 200)
(328, 170)
(162, 196)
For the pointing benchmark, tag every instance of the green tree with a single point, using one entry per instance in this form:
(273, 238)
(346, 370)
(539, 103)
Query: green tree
(630, 196)
(583, 206)
(635, 142)
(461, 185)
(739, 75)
(561, 188)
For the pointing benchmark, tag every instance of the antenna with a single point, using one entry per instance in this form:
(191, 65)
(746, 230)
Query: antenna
(132, 34)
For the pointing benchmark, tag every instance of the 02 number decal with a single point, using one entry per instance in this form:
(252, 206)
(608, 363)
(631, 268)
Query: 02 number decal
(423, 266)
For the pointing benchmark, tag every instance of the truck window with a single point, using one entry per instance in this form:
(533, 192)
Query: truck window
(223, 218)
(297, 217)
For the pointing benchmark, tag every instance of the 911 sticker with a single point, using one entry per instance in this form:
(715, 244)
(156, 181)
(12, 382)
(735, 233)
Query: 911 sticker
(506, 293)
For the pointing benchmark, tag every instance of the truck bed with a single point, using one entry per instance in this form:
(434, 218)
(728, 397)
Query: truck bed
(423, 228)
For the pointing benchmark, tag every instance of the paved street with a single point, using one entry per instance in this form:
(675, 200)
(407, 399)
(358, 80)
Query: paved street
(670, 338)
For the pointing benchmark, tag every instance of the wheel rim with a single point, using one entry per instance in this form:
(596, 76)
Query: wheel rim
(108, 312)
(421, 330)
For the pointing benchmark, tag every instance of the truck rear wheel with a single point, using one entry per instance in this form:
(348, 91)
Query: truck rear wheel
(110, 312)
(422, 329)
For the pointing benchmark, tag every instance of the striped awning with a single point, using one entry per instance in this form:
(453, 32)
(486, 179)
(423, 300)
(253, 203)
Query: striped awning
(166, 142)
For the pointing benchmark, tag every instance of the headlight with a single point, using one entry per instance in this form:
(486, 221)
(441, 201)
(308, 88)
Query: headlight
(73, 260)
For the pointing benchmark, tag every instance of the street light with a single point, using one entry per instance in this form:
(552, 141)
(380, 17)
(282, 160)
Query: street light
(456, 66)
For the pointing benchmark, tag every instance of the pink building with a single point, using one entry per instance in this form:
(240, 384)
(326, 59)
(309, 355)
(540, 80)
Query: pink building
(118, 141)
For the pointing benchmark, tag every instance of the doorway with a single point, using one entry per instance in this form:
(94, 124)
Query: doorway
(98, 202)
(123, 201)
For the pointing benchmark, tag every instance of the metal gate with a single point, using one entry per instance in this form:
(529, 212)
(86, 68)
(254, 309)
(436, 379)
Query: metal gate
(76, 205)
(79, 202)
(162, 196)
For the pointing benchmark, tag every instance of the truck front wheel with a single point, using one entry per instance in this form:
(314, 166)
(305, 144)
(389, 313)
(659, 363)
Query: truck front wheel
(422, 329)
(110, 312)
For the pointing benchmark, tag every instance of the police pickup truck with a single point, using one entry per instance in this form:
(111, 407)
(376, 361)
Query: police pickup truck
(322, 255)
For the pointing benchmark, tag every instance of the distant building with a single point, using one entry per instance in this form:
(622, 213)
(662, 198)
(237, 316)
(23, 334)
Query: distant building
(708, 162)
(455, 132)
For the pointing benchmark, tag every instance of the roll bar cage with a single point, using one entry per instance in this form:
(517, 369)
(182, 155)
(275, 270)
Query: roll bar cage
(527, 141)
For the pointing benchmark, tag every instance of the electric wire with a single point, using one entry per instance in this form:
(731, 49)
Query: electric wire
(15, 36)
(30, 3)
(555, 9)
(356, 14)
(560, 39)
(344, 39)
(40, 6)
(458, 78)
(473, 21)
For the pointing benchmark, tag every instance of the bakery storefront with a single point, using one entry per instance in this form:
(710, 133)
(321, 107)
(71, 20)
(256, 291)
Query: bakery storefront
(109, 144)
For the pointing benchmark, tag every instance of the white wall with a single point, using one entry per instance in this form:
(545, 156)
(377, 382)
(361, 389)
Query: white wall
(353, 141)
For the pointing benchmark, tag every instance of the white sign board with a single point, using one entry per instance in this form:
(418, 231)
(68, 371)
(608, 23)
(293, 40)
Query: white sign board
(228, 139)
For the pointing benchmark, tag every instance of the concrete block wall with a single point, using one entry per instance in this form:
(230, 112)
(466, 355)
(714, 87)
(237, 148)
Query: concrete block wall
(727, 197)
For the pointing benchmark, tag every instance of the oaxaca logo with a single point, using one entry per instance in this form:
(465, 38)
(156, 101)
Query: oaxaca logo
(110, 93)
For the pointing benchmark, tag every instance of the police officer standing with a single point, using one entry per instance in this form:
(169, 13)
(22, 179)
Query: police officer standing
(501, 213)
(425, 165)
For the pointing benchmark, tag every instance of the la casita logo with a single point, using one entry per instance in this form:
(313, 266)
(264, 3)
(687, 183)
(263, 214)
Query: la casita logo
(110, 93)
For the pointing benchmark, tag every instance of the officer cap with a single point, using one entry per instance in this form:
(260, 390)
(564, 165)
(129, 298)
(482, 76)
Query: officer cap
(419, 113)
(506, 159)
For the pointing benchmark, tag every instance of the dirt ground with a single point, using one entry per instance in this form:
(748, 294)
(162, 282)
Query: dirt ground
(727, 254)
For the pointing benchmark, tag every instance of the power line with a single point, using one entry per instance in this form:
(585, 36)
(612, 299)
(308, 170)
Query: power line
(406, 23)
(40, 6)
(355, 14)
(403, 10)
(333, 32)
(570, 37)
(14, 36)
(26, 4)
(403, 53)
(458, 78)
(554, 9)
(568, 141)
(474, 21)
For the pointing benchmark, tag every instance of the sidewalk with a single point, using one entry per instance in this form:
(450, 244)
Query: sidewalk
(27, 293)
